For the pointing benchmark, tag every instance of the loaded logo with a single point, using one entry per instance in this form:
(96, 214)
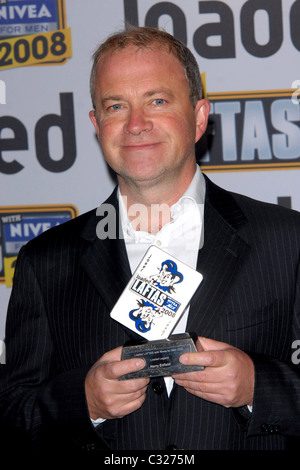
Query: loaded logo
(252, 130)
(33, 32)
(18, 225)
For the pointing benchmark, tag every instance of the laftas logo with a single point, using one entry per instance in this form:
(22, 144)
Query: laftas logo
(255, 130)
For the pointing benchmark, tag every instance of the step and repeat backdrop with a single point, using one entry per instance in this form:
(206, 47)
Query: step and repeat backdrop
(51, 166)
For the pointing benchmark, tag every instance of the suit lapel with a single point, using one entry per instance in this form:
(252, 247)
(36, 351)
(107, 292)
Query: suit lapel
(106, 261)
(219, 260)
(107, 266)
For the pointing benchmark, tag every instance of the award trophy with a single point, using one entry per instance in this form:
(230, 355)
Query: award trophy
(161, 356)
(151, 305)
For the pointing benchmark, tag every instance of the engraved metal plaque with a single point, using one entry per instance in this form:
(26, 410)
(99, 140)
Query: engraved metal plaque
(161, 356)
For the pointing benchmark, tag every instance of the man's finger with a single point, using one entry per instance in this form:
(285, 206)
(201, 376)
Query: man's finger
(114, 370)
(208, 344)
(205, 359)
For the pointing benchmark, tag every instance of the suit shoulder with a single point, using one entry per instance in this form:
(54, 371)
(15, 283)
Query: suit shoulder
(244, 213)
(237, 208)
(267, 221)
(62, 234)
(256, 208)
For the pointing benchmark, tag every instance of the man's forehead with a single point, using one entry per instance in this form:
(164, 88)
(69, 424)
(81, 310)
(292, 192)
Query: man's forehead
(136, 51)
(117, 69)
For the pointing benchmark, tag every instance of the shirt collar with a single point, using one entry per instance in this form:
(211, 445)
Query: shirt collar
(195, 191)
(195, 195)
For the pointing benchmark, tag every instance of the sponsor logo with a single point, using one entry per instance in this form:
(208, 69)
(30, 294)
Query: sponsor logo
(33, 32)
(249, 130)
(18, 225)
(252, 130)
(256, 27)
(2, 92)
(64, 121)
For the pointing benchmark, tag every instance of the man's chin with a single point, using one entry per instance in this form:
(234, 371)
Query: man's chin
(144, 178)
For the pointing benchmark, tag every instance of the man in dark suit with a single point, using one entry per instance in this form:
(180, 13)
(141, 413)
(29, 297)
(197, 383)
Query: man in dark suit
(60, 385)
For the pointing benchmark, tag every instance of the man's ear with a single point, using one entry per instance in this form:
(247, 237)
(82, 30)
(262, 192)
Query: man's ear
(202, 110)
(94, 120)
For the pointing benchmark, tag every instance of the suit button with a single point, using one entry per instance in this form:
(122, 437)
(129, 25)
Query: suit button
(90, 446)
(265, 428)
(157, 388)
(274, 429)
(270, 428)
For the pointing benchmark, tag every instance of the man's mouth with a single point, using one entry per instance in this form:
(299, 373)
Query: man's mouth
(140, 145)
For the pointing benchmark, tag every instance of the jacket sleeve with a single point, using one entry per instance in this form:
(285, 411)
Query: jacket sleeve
(276, 405)
(37, 400)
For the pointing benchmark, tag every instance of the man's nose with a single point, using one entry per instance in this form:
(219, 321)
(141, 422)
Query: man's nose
(137, 122)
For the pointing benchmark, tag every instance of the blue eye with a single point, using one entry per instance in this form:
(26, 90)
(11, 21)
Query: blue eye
(159, 101)
(115, 107)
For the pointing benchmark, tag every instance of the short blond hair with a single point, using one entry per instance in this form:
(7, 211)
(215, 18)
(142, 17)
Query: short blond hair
(145, 37)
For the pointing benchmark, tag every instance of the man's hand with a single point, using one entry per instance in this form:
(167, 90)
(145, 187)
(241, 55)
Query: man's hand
(228, 377)
(109, 398)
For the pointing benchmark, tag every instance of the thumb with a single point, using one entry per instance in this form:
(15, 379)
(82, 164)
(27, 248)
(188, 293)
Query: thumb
(208, 344)
(111, 356)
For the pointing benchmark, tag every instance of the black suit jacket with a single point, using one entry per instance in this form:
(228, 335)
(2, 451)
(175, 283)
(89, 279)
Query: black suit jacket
(58, 324)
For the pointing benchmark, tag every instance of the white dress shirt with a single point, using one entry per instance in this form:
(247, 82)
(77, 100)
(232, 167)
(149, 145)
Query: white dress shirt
(182, 237)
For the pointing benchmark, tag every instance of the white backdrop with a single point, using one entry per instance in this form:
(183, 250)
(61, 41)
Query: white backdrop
(51, 167)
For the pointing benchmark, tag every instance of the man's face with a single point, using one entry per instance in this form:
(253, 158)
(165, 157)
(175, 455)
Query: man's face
(146, 123)
(165, 278)
(146, 313)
